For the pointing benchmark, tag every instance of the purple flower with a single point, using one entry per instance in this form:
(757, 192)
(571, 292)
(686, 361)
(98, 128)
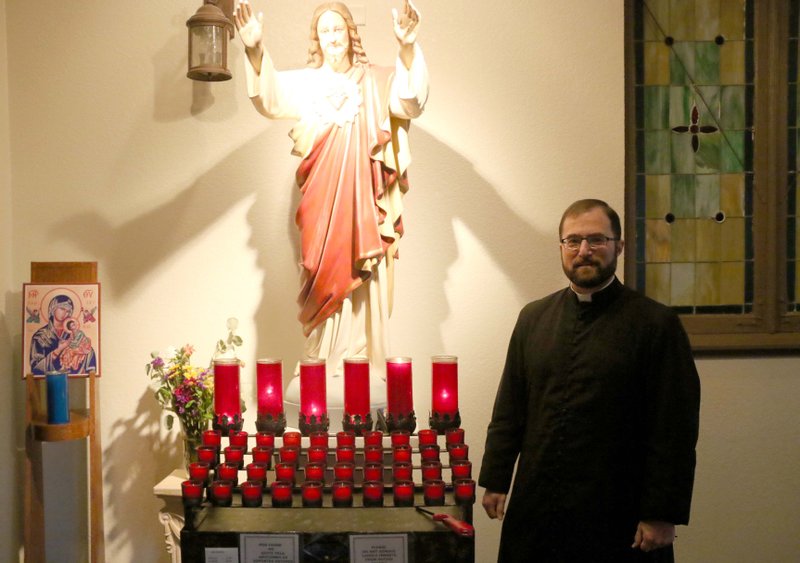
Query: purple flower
(157, 362)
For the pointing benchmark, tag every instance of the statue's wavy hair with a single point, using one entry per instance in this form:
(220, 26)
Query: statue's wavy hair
(315, 56)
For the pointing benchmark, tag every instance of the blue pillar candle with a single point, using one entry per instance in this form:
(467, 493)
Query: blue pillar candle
(57, 398)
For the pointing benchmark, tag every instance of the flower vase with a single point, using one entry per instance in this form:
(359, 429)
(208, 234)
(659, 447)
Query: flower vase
(190, 443)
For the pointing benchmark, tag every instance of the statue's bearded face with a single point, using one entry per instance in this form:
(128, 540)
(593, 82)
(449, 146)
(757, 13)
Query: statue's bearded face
(334, 38)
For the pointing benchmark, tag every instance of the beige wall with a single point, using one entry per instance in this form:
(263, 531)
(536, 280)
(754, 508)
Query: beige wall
(184, 196)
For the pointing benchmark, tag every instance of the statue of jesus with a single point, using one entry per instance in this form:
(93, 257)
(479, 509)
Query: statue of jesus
(351, 132)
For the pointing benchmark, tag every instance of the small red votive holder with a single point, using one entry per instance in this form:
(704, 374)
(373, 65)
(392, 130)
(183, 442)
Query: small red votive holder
(265, 439)
(373, 454)
(464, 492)
(345, 438)
(285, 471)
(239, 438)
(402, 471)
(400, 438)
(208, 454)
(427, 437)
(212, 438)
(401, 453)
(346, 453)
(192, 492)
(257, 472)
(318, 438)
(342, 493)
(458, 452)
(373, 472)
(281, 494)
(429, 452)
(403, 493)
(372, 493)
(343, 471)
(317, 454)
(234, 454)
(433, 492)
(263, 454)
(454, 436)
(228, 471)
(431, 470)
(289, 454)
(221, 493)
(461, 469)
(252, 492)
(200, 471)
(312, 494)
(373, 438)
(292, 438)
(315, 472)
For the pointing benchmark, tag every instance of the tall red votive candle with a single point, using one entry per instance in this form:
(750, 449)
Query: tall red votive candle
(227, 405)
(313, 401)
(269, 385)
(444, 383)
(356, 386)
(399, 392)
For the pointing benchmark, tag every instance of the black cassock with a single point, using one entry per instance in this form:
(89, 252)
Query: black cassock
(601, 402)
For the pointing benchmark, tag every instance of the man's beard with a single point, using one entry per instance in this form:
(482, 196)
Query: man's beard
(592, 276)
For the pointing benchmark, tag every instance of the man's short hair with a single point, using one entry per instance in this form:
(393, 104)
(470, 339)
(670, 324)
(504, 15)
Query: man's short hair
(583, 205)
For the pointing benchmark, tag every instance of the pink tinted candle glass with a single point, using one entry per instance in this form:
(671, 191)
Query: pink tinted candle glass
(399, 391)
(444, 383)
(313, 388)
(226, 389)
(356, 386)
(269, 385)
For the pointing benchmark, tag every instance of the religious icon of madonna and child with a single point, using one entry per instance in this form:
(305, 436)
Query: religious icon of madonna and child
(61, 329)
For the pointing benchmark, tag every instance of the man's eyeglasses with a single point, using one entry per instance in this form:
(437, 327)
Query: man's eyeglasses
(573, 243)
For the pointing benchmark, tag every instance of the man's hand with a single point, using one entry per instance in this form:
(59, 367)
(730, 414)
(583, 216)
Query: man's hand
(653, 534)
(494, 504)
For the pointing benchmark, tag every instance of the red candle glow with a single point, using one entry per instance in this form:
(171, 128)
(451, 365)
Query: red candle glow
(227, 405)
(292, 438)
(461, 469)
(429, 452)
(239, 438)
(401, 453)
(342, 492)
(207, 454)
(444, 384)
(427, 437)
(263, 454)
(454, 436)
(464, 491)
(284, 472)
(458, 452)
(281, 494)
(289, 454)
(401, 437)
(315, 472)
(403, 493)
(372, 492)
(431, 471)
(228, 472)
(399, 392)
(221, 493)
(269, 385)
(373, 438)
(234, 454)
(318, 438)
(373, 454)
(312, 494)
(312, 388)
(345, 453)
(317, 453)
(433, 492)
(402, 471)
(345, 438)
(373, 472)
(199, 471)
(257, 472)
(265, 439)
(356, 386)
(192, 492)
(252, 493)
(343, 471)
(212, 438)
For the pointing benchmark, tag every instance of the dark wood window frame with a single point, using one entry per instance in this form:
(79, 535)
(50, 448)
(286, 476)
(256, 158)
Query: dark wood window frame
(769, 328)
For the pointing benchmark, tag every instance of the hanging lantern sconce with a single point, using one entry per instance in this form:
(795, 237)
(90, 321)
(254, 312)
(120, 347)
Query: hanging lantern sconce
(210, 28)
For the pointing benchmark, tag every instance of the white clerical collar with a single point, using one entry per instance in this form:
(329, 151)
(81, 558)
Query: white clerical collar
(587, 297)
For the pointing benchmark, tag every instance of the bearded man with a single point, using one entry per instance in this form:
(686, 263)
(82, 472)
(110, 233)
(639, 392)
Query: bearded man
(599, 399)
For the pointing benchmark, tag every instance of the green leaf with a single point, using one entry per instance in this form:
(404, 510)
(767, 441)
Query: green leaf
(237, 340)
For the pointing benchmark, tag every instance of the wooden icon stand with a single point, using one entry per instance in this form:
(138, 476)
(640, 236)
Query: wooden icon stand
(84, 423)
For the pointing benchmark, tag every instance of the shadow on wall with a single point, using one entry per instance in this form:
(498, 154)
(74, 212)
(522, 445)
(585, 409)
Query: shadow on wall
(12, 443)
